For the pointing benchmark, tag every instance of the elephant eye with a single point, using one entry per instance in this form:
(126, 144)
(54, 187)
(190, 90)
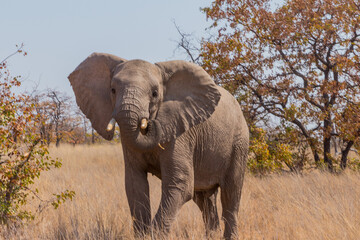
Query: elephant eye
(155, 93)
(113, 90)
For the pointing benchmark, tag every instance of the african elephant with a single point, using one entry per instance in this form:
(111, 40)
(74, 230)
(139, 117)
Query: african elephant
(174, 123)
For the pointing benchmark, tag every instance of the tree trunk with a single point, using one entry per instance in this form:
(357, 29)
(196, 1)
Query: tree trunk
(85, 129)
(313, 149)
(335, 145)
(316, 156)
(327, 153)
(92, 136)
(48, 138)
(57, 134)
(310, 140)
(327, 143)
(345, 153)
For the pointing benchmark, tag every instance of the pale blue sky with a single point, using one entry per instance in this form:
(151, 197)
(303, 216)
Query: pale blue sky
(58, 35)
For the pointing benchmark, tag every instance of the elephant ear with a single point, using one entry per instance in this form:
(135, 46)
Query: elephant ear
(91, 82)
(190, 97)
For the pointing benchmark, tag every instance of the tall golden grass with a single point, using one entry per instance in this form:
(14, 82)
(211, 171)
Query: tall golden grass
(314, 205)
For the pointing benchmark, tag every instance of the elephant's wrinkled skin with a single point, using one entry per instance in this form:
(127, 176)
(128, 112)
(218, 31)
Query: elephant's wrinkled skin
(195, 140)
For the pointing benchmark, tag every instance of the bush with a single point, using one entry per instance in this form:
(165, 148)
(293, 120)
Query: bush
(22, 155)
(276, 152)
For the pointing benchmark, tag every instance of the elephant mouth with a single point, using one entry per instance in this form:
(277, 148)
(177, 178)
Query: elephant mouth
(150, 132)
(143, 125)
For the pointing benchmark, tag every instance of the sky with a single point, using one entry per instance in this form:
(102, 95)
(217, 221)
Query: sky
(59, 35)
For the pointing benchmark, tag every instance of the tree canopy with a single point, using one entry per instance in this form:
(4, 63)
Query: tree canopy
(298, 64)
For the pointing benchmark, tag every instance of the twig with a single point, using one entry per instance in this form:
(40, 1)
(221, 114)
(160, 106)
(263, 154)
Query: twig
(19, 49)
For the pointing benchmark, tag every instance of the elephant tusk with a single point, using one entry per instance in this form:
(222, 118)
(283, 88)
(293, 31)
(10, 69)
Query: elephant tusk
(144, 124)
(111, 125)
(161, 146)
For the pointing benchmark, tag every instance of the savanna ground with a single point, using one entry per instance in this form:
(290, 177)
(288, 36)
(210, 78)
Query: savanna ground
(314, 205)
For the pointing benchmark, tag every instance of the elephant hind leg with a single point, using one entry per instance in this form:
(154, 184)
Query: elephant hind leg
(230, 205)
(231, 190)
(206, 201)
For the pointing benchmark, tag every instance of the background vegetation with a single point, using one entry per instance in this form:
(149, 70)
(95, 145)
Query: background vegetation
(295, 72)
(314, 205)
(23, 152)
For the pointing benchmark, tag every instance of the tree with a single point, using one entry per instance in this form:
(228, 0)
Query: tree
(298, 63)
(59, 108)
(22, 155)
(61, 120)
(41, 107)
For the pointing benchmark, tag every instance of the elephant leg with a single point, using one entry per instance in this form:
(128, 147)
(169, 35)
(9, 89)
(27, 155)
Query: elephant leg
(231, 192)
(172, 200)
(229, 202)
(177, 188)
(206, 201)
(137, 192)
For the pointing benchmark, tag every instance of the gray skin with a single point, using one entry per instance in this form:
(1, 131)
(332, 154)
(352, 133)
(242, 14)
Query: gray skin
(196, 139)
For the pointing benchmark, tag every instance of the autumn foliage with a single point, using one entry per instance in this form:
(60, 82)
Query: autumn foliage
(296, 66)
(23, 156)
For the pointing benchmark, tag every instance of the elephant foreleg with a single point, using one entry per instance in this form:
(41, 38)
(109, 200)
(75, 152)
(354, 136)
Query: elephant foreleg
(137, 191)
(177, 189)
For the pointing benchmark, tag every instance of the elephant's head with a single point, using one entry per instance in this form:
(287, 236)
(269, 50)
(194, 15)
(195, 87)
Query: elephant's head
(152, 103)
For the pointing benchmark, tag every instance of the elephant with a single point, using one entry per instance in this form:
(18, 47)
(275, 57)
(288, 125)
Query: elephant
(176, 124)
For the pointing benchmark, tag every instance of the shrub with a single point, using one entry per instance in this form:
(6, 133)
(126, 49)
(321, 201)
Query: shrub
(22, 155)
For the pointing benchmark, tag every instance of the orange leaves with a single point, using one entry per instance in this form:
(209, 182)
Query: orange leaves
(291, 113)
(348, 121)
(22, 155)
(299, 61)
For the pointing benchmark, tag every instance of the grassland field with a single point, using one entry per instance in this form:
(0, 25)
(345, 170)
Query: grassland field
(314, 205)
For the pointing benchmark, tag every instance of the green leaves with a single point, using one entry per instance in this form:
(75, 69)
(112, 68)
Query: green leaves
(23, 156)
(62, 197)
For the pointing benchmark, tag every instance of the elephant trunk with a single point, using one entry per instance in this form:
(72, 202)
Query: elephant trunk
(136, 130)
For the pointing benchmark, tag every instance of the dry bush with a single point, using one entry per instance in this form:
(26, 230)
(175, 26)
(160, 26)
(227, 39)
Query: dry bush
(311, 206)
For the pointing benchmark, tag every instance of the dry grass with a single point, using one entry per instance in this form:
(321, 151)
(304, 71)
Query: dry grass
(313, 206)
